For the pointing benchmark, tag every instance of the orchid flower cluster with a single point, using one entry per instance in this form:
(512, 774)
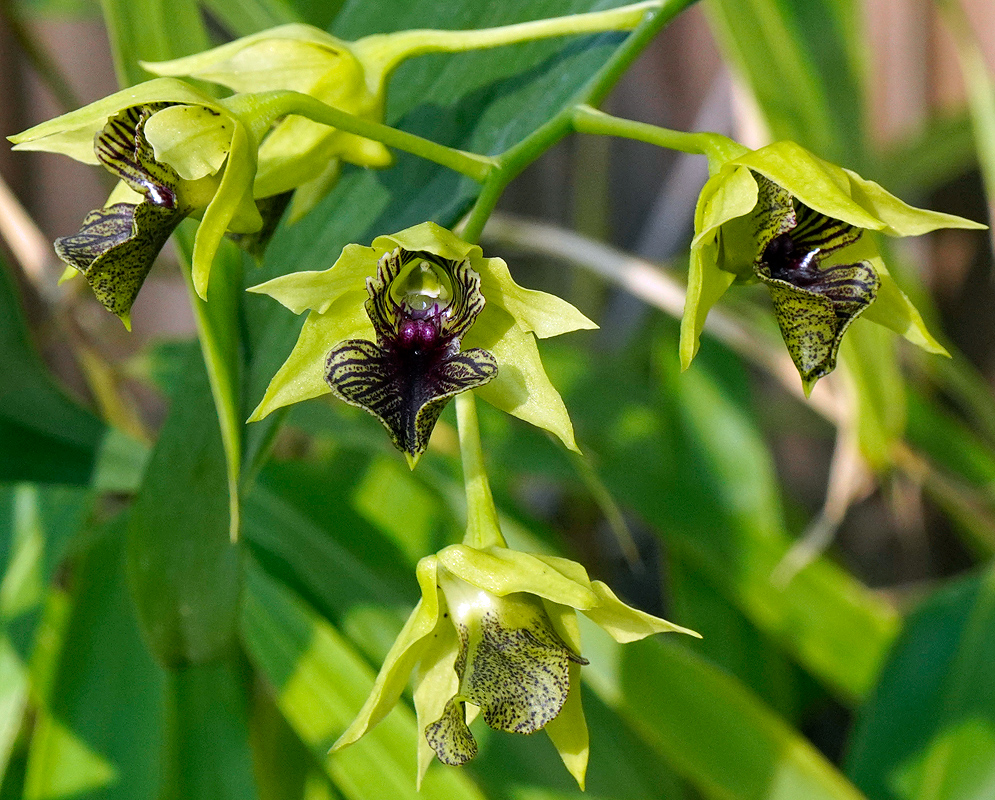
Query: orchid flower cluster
(403, 326)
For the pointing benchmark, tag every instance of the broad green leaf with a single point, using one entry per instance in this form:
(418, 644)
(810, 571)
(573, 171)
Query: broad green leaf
(151, 30)
(183, 568)
(218, 332)
(712, 730)
(320, 683)
(44, 436)
(283, 765)
(208, 747)
(928, 732)
(100, 733)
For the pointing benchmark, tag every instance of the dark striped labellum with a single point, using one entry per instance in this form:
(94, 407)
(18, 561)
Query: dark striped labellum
(421, 306)
(814, 301)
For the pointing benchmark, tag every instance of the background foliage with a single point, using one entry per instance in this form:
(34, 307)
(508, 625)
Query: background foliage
(143, 655)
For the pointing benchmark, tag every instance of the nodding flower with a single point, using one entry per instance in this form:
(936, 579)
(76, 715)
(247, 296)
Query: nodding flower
(496, 632)
(805, 229)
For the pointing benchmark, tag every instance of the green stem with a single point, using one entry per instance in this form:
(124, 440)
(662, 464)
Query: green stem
(380, 54)
(260, 110)
(482, 527)
(716, 147)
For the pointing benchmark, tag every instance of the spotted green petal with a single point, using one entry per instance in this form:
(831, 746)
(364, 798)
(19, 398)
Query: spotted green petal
(521, 387)
(302, 375)
(841, 194)
(414, 641)
(502, 571)
(232, 200)
(317, 290)
(72, 134)
(193, 140)
(115, 249)
(515, 667)
(624, 623)
(449, 736)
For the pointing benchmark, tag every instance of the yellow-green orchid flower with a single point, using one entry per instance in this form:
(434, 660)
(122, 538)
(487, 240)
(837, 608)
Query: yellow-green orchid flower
(496, 630)
(297, 153)
(386, 325)
(784, 217)
(177, 152)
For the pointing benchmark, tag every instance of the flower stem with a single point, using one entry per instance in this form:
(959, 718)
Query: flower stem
(381, 53)
(513, 161)
(261, 109)
(716, 147)
(482, 527)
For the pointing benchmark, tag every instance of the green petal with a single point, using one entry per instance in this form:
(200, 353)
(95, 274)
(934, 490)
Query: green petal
(317, 291)
(72, 134)
(302, 375)
(412, 643)
(432, 238)
(287, 57)
(521, 387)
(892, 308)
(706, 284)
(193, 140)
(536, 312)
(624, 623)
(234, 197)
(730, 194)
(843, 195)
(436, 684)
(502, 571)
(568, 732)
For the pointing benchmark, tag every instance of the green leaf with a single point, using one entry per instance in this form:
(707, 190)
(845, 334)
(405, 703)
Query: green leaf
(320, 683)
(209, 756)
(151, 30)
(183, 568)
(928, 732)
(244, 17)
(44, 436)
(102, 726)
(710, 728)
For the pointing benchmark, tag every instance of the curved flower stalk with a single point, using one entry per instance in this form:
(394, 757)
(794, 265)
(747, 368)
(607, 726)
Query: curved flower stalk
(177, 152)
(352, 77)
(496, 630)
(386, 325)
(781, 216)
